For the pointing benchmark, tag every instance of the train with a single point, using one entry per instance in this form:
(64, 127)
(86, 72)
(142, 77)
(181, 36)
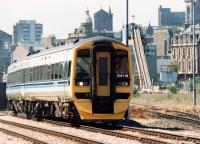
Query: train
(87, 80)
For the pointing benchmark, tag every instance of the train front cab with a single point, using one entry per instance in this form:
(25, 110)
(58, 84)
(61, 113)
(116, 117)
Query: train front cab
(102, 81)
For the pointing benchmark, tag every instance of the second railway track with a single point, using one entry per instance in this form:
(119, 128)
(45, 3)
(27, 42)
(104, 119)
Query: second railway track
(163, 135)
(49, 132)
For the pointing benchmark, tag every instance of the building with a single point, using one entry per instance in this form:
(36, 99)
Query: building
(168, 18)
(86, 30)
(161, 38)
(5, 51)
(103, 21)
(182, 51)
(27, 31)
(189, 12)
(25, 49)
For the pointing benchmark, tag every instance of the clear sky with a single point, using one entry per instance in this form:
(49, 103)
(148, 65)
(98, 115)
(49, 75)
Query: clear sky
(60, 17)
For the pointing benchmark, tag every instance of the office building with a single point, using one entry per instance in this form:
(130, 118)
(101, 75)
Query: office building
(189, 12)
(168, 18)
(27, 31)
(5, 51)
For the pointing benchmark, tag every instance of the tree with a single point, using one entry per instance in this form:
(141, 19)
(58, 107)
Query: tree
(173, 66)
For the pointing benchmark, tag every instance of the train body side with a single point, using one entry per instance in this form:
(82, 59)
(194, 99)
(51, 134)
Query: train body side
(43, 85)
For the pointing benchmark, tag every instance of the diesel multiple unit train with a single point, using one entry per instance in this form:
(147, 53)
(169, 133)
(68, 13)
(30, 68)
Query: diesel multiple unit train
(87, 80)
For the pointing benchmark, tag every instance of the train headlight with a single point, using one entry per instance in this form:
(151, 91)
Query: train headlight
(80, 83)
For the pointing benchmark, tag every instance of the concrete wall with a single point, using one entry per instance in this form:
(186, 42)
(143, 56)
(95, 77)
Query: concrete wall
(3, 102)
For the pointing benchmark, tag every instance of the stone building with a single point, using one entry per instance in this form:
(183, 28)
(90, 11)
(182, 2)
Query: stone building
(182, 51)
(161, 37)
(103, 21)
(86, 30)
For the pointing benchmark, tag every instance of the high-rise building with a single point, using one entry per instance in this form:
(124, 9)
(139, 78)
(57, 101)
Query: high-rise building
(168, 18)
(5, 51)
(103, 21)
(189, 11)
(27, 31)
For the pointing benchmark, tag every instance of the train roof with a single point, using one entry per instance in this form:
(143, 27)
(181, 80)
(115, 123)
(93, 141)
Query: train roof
(70, 46)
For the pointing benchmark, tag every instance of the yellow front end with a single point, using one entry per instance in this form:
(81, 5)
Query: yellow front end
(100, 83)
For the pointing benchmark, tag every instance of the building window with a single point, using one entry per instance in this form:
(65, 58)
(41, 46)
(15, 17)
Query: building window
(189, 65)
(188, 52)
(183, 53)
(183, 67)
(174, 54)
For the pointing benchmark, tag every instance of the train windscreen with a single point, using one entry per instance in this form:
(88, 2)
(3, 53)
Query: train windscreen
(121, 68)
(83, 68)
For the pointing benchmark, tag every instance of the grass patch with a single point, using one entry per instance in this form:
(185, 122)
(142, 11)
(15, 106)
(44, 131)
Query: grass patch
(178, 101)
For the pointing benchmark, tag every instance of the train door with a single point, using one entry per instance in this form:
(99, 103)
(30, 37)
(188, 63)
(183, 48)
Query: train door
(103, 73)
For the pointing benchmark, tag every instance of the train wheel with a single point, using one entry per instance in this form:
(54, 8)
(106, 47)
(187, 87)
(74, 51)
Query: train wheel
(39, 111)
(74, 117)
(28, 110)
(114, 123)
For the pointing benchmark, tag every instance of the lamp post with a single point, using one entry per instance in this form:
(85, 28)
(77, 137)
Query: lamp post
(127, 22)
(194, 64)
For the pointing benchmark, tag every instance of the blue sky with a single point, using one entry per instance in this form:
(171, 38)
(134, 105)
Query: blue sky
(60, 17)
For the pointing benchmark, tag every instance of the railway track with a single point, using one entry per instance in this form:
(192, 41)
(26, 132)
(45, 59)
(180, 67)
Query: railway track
(158, 134)
(49, 132)
(27, 138)
(162, 134)
(142, 139)
(191, 119)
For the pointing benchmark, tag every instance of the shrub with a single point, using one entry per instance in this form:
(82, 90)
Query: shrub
(173, 89)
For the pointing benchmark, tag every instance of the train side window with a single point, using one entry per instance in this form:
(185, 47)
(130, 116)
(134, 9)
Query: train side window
(23, 75)
(56, 71)
(31, 75)
(69, 70)
(34, 73)
(65, 71)
(26, 75)
(45, 68)
(37, 73)
(52, 72)
(48, 72)
(61, 67)
(18, 76)
(40, 73)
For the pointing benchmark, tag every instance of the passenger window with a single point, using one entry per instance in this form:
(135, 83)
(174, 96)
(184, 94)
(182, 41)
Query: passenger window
(34, 73)
(45, 68)
(41, 72)
(52, 72)
(38, 73)
(61, 72)
(31, 75)
(56, 70)
(65, 71)
(48, 72)
(69, 70)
